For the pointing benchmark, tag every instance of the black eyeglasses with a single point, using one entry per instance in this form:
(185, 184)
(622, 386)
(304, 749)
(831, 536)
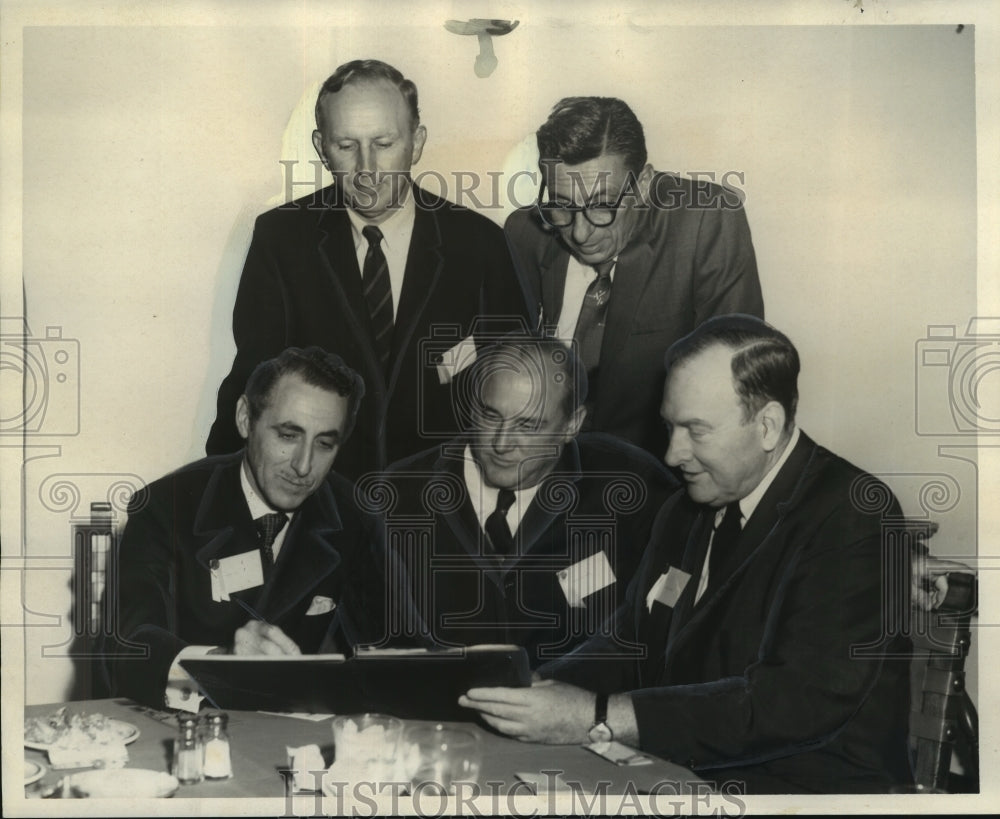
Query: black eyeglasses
(560, 214)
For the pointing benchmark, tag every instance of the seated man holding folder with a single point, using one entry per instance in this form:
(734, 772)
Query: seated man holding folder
(522, 532)
(760, 590)
(259, 552)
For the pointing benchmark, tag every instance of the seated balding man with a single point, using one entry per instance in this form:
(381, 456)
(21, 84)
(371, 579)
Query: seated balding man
(757, 585)
(534, 531)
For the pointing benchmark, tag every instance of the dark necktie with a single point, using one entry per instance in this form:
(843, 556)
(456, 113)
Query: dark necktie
(726, 535)
(378, 293)
(590, 325)
(496, 524)
(268, 527)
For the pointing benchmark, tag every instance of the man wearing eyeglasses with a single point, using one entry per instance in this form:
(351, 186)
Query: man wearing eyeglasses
(624, 261)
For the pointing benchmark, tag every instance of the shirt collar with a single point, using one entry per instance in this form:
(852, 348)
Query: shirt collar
(589, 271)
(751, 501)
(258, 506)
(484, 498)
(396, 230)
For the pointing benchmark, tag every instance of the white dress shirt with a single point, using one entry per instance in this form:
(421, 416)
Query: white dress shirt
(747, 507)
(578, 279)
(259, 508)
(484, 498)
(396, 233)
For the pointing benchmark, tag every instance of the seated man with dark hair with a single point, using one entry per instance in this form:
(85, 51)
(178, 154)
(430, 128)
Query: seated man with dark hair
(759, 586)
(520, 531)
(258, 552)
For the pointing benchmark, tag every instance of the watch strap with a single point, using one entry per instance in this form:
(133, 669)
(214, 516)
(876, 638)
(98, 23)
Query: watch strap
(601, 709)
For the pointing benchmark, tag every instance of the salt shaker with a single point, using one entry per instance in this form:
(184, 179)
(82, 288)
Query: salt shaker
(218, 763)
(188, 751)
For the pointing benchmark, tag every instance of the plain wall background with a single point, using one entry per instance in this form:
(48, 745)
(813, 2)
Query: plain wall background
(147, 151)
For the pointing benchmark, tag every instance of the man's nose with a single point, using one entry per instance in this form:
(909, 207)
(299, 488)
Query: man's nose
(302, 460)
(366, 160)
(677, 450)
(581, 228)
(502, 441)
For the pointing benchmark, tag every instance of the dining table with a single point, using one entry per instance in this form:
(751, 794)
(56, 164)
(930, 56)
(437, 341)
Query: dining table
(259, 743)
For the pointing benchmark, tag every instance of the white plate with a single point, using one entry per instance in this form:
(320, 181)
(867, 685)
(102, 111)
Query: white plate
(128, 732)
(33, 771)
(134, 783)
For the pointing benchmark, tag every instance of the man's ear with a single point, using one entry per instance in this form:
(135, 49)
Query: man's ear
(575, 422)
(318, 145)
(643, 182)
(772, 420)
(419, 138)
(243, 417)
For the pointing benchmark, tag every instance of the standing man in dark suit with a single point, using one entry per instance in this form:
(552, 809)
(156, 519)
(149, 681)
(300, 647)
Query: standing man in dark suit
(258, 552)
(625, 260)
(373, 268)
(520, 531)
(758, 595)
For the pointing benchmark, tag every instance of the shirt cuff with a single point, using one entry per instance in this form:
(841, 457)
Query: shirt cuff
(182, 691)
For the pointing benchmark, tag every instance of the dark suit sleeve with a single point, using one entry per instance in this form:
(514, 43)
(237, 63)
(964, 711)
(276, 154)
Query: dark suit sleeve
(376, 608)
(147, 612)
(503, 293)
(521, 235)
(804, 685)
(725, 264)
(260, 333)
(607, 662)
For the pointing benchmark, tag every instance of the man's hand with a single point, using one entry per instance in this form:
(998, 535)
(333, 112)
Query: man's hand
(257, 637)
(929, 584)
(552, 712)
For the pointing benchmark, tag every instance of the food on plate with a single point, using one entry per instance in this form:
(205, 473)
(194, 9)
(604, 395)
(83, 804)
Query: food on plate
(75, 730)
(80, 740)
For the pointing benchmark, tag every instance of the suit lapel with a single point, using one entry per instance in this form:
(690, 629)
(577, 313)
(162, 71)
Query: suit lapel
(552, 270)
(461, 518)
(424, 263)
(540, 516)
(769, 511)
(337, 253)
(692, 563)
(632, 272)
(222, 524)
(308, 555)
(656, 624)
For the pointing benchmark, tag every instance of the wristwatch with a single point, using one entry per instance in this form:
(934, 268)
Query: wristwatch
(600, 731)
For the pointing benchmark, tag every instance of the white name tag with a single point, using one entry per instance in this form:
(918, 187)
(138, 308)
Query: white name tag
(586, 577)
(459, 357)
(236, 573)
(667, 589)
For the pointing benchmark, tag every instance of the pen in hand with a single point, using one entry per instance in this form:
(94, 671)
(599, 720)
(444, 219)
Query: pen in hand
(260, 637)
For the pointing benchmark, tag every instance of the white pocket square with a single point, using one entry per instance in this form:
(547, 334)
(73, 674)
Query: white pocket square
(320, 605)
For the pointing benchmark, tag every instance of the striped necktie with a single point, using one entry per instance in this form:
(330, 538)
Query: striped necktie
(378, 293)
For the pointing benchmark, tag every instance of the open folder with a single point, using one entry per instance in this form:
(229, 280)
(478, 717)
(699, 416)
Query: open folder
(407, 683)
